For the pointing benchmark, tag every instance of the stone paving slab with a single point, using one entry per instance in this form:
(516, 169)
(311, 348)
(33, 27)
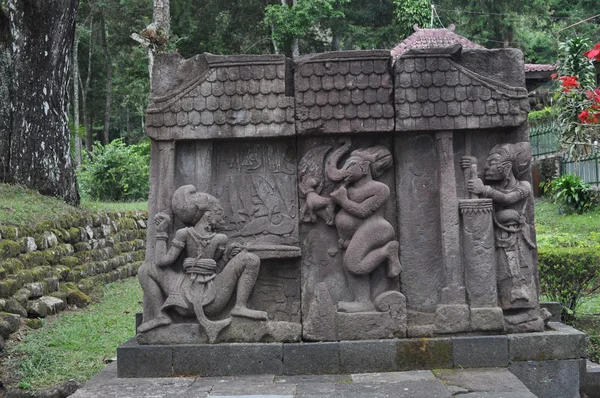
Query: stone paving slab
(466, 383)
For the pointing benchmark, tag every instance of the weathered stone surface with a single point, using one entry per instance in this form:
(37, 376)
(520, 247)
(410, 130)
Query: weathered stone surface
(480, 351)
(549, 379)
(368, 356)
(13, 321)
(490, 381)
(554, 308)
(37, 309)
(315, 358)
(561, 342)
(14, 307)
(591, 380)
(144, 361)
(320, 323)
(54, 304)
(424, 353)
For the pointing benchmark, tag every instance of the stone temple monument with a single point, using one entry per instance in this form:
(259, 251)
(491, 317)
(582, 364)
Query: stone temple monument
(337, 198)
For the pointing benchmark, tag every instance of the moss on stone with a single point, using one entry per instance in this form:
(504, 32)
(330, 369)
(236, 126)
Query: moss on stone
(9, 248)
(82, 246)
(8, 232)
(12, 265)
(34, 323)
(74, 235)
(8, 287)
(70, 261)
(33, 259)
(126, 223)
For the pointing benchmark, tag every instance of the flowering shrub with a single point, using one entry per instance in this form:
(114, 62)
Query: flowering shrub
(577, 98)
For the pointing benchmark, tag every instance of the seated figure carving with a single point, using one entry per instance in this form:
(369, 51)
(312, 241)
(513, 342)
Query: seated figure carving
(213, 268)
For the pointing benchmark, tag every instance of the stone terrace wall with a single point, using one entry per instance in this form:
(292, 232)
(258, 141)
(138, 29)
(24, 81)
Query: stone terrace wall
(45, 268)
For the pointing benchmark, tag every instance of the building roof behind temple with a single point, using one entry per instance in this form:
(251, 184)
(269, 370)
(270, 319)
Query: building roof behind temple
(433, 38)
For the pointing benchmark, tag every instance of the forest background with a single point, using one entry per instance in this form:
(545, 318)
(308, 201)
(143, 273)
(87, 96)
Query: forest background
(112, 68)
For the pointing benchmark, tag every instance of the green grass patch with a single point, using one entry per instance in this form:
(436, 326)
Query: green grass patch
(549, 221)
(20, 206)
(75, 345)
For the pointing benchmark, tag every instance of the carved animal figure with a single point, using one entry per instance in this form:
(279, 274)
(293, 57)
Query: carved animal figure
(366, 236)
(311, 173)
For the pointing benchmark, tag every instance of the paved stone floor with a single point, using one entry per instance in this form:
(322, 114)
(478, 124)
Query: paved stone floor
(465, 383)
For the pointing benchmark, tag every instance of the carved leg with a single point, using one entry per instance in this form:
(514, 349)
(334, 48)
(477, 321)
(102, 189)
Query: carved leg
(360, 286)
(153, 301)
(242, 272)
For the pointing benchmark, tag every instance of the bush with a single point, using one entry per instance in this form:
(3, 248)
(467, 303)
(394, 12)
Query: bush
(546, 115)
(566, 273)
(116, 172)
(571, 193)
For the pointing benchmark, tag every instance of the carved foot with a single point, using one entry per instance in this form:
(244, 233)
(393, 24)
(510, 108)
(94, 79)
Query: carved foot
(154, 323)
(355, 306)
(248, 313)
(213, 328)
(394, 267)
(519, 293)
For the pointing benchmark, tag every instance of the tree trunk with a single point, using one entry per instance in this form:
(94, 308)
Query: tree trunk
(42, 43)
(89, 134)
(105, 132)
(161, 17)
(5, 95)
(77, 140)
(295, 46)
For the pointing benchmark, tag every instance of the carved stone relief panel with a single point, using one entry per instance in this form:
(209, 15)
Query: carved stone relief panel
(350, 264)
(256, 182)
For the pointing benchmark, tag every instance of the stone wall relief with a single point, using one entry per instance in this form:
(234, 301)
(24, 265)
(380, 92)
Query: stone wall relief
(214, 270)
(351, 200)
(505, 187)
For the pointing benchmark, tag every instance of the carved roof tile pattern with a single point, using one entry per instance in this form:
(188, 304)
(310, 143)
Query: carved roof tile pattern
(343, 92)
(432, 38)
(540, 68)
(433, 92)
(230, 99)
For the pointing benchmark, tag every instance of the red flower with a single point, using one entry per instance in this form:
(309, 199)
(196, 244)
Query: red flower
(594, 95)
(594, 53)
(586, 118)
(568, 83)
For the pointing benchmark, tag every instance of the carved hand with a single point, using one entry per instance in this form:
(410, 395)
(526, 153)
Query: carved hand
(339, 194)
(476, 186)
(162, 221)
(465, 162)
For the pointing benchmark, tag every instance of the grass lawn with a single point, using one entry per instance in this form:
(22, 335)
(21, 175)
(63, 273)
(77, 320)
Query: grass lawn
(580, 227)
(75, 345)
(22, 206)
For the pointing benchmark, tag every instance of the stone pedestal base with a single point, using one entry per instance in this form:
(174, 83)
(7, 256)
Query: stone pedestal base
(240, 330)
(452, 318)
(487, 319)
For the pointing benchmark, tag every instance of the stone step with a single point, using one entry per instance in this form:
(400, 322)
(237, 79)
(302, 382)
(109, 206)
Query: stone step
(463, 383)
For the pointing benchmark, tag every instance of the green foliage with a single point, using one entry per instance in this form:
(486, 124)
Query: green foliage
(573, 63)
(411, 12)
(76, 344)
(290, 21)
(571, 193)
(545, 115)
(115, 172)
(567, 273)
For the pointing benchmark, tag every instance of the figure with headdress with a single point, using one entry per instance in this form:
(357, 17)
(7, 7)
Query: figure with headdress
(505, 183)
(367, 239)
(212, 268)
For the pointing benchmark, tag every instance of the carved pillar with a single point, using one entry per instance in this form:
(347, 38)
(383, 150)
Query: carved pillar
(162, 170)
(480, 264)
(452, 314)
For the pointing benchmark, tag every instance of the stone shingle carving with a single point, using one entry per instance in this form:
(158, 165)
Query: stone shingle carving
(434, 92)
(238, 96)
(432, 38)
(343, 92)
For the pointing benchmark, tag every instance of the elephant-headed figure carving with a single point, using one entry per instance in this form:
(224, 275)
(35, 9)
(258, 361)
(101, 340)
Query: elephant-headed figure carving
(213, 268)
(366, 239)
(504, 181)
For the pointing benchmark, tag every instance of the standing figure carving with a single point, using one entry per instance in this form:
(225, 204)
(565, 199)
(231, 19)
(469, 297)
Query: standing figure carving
(212, 268)
(504, 174)
(366, 239)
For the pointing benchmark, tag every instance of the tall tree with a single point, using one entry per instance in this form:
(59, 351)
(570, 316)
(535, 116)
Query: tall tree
(103, 34)
(42, 34)
(5, 93)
